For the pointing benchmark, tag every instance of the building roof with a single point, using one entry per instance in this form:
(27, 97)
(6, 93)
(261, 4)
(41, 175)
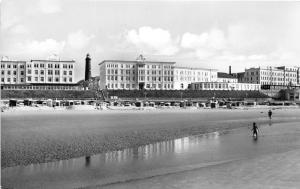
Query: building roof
(70, 61)
(136, 61)
(13, 61)
(182, 67)
(225, 75)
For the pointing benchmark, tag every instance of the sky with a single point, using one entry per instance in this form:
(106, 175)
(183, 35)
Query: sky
(204, 34)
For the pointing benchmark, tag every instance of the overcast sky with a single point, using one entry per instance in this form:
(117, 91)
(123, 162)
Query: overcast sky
(194, 34)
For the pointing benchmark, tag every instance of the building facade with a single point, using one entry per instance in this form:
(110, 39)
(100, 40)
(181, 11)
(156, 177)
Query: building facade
(227, 78)
(13, 72)
(38, 75)
(139, 74)
(282, 76)
(184, 76)
(225, 86)
(50, 71)
(142, 74)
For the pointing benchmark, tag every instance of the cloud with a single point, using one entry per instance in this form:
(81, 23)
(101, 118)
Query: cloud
(153, 40)
(50, 6)
(19, 29)
(79, 40)
(40, 48)
(206, 44)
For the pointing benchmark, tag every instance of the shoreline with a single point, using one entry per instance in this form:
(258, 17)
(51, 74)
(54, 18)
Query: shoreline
(117, 109)
(58, 139)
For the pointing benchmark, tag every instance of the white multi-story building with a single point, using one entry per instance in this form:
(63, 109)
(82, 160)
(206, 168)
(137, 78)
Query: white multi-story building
(142, 74)
(13, 72)
(225, 86)
(38, 74)
(138, 74)
(184, 76)
(50, 71)
(271, 76)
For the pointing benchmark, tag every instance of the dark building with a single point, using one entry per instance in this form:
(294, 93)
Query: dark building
(88, 74)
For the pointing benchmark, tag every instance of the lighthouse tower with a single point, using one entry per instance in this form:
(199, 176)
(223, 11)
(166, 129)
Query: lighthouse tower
(88, 74)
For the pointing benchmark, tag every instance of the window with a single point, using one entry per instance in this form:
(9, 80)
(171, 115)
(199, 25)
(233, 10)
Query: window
(8, 66)
(22, 72)
(2, 65)
(42, 72)
(8, 79)
(8, 72)
(15, 79)
(65, 72)
(70, 72)
(50, 72)
(15, 72)
(56, 72)
(42, 65)
(36, 72)
(57, 79)
(29, 71)
(50, 66)
(65, 79)
(49, 79)
(15, 66)
(28, 78)
(42, 79)
(36, 79)
(2, 79)
(70, 79)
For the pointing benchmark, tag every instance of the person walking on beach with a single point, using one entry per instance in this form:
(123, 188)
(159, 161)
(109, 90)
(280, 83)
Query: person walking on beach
(270, 114)
(254, 130)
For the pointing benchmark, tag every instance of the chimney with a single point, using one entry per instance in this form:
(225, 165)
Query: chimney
(229, 70)
(87, 68)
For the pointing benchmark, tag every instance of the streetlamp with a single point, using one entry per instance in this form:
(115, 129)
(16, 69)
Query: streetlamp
(181, 95)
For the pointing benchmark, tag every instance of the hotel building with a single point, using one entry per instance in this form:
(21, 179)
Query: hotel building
(225, 86)
(282, 76)
(139, 74)
(184, 76)
(38, 74)
(13, 72)
(142, 74)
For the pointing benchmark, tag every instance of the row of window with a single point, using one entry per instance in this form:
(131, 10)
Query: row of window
(11, 72)
(186, 72)
(36, 65)
(278, 79)
(140, 66)
(41, 87)
(50, 72)
(50, 79)
(223, 86)
(22, 66)
(147, 86)
(12, 79)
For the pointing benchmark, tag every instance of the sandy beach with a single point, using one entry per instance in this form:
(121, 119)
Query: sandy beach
(44, 136)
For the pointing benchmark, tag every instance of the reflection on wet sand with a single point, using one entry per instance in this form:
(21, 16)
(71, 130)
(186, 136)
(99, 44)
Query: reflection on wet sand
(141, 153)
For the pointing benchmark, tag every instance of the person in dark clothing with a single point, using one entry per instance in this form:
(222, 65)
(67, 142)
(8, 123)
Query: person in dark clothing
(270, 114)
(254, 130)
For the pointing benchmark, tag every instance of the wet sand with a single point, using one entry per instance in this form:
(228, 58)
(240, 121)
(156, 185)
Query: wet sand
(231, 159)
(38, 137)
